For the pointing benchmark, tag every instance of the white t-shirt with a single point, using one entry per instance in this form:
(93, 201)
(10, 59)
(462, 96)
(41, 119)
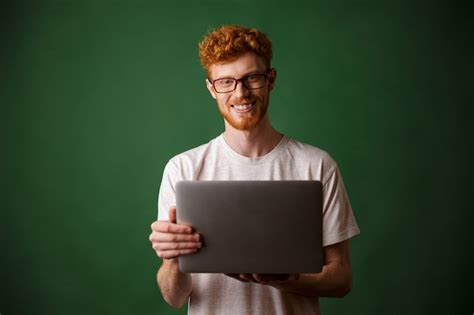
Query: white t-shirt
(289, 160)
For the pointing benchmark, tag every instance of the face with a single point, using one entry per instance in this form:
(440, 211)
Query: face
(242, 108)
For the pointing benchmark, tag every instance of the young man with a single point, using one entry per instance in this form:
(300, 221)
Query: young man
(240, 79)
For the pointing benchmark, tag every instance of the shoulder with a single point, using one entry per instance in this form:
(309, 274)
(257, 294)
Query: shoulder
(194, 156)
(310, 153)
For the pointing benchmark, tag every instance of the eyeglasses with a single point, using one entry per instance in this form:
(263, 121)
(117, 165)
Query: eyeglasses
(251, 82)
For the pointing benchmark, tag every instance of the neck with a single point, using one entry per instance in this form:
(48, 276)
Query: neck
(255, 142)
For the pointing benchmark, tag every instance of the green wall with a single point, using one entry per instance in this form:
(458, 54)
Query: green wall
(96, 96)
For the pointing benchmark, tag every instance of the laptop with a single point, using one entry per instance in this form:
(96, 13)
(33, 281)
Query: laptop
(252, 226)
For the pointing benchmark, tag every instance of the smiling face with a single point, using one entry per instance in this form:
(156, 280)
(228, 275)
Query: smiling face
(243, 109)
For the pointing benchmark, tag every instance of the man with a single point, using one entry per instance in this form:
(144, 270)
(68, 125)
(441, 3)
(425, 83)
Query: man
(240, 79)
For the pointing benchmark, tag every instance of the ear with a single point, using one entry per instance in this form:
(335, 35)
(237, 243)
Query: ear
(272, 78)
(210, 88)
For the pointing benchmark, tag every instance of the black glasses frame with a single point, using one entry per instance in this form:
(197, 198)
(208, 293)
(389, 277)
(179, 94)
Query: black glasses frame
(265, 75)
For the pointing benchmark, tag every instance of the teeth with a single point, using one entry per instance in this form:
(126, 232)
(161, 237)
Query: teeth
(242, 106)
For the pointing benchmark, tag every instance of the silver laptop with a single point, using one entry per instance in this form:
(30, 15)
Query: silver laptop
(253, 226)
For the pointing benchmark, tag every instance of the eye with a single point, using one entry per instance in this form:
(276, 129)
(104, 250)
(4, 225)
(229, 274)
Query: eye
(225, 82)
(252, 77)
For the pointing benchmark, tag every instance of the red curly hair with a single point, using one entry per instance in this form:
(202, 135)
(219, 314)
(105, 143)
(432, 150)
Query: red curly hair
(228, 42)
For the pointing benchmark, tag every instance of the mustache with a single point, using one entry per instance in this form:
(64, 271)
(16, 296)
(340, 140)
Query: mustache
(240, 101)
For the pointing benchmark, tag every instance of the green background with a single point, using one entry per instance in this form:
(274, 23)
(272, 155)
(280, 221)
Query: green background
(97, 96)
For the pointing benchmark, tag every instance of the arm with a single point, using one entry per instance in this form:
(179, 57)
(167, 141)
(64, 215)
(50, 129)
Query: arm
(335, 280)
(171, 240)
(175, 286)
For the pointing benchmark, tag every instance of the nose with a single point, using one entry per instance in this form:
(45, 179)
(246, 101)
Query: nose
(240, 89)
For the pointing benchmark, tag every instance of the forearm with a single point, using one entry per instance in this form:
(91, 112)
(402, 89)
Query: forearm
(335, 280)
(175, 286)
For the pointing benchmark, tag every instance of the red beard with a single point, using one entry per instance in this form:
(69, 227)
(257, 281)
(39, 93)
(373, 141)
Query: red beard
(246, 121)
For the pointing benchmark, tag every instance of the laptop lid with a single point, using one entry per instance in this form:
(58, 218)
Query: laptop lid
(252, 226)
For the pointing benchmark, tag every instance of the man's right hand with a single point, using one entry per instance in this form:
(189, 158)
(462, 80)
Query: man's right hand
(171, 240)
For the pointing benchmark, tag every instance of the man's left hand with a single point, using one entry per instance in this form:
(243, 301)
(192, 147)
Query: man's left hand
(263, 278)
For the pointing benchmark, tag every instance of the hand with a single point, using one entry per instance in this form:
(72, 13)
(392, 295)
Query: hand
(171, 240)
(264, 278)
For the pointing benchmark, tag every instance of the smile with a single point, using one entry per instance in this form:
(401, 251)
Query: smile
(243, 108)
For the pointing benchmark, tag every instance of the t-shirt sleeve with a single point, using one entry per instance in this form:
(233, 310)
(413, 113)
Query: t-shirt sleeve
(339, 222)
(167, 194)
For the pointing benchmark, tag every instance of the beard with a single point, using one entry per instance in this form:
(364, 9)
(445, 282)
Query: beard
(247, 121)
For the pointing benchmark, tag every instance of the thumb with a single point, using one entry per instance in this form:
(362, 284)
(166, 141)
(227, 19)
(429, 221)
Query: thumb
(172, 214)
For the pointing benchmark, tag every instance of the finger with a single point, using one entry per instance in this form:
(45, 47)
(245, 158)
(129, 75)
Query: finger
(172, 214)
(275, 278)
(167, 227)
(168, 254)
(261, 278)
(179, 245)
(235, 276)
(247, 276)
(294, 276)
(171, 238)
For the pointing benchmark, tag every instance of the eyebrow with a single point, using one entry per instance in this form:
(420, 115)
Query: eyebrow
(245, 75)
